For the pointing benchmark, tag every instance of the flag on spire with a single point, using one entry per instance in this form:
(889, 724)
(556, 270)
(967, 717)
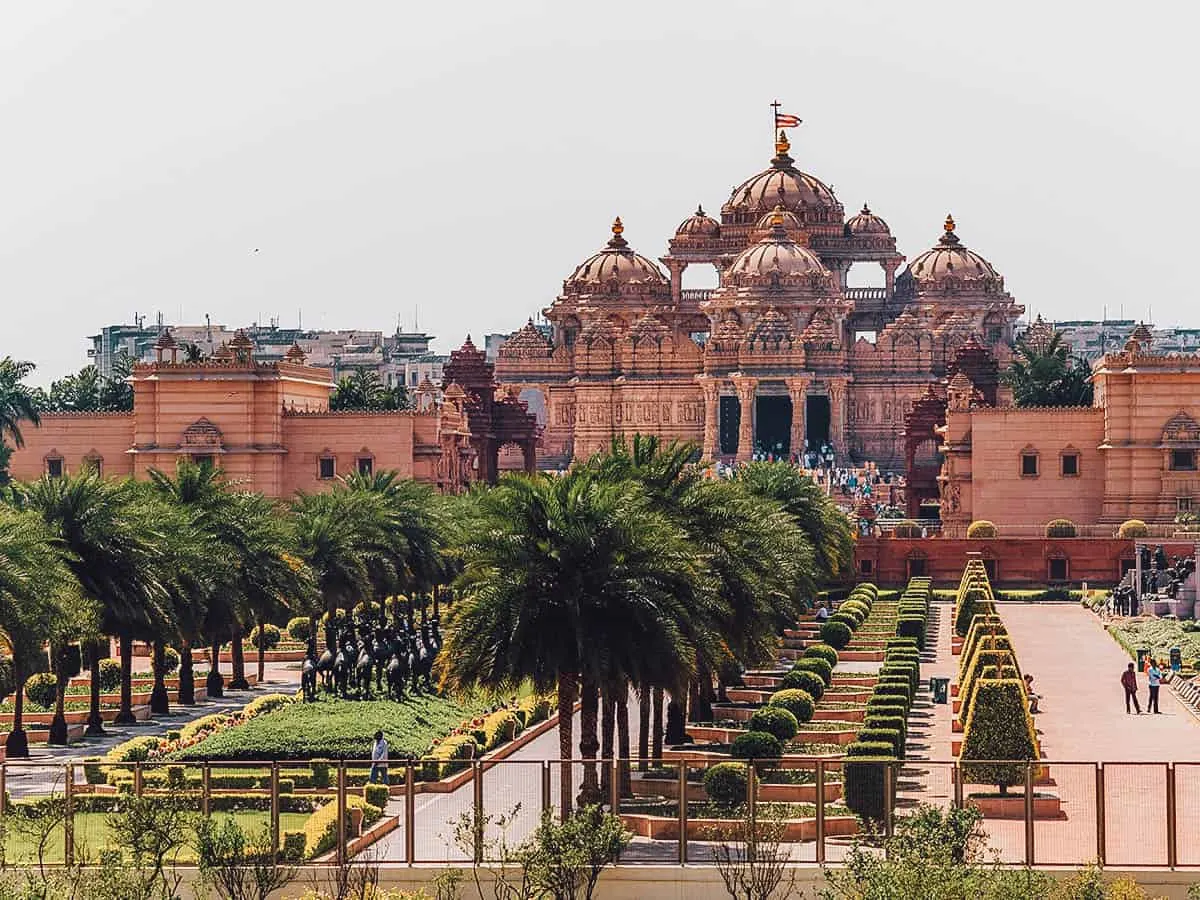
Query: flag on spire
(786, 120)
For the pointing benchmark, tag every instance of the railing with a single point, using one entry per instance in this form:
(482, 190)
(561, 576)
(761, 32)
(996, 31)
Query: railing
(1122, 814)
(866, 293)
(1159, 531)
(695, 295)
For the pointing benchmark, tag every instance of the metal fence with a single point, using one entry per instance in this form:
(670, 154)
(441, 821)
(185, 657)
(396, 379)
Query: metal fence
(1120, 814)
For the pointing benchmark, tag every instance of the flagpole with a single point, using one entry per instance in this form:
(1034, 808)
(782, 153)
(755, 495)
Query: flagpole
(774, 119)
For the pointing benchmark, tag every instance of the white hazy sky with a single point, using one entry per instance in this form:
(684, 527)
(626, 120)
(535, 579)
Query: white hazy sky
(460, 158)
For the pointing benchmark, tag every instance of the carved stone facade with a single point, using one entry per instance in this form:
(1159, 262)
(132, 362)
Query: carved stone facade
(780, 354)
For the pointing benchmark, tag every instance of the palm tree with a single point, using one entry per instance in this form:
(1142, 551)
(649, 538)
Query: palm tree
(567, 582)
(110, 541)
(31, 576)
(18, 401)
(362, 390)
(1045, 374)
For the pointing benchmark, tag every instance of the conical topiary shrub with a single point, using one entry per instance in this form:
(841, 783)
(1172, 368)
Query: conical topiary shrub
(998, 728)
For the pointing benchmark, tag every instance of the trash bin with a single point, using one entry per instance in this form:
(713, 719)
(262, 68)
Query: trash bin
(940, 687)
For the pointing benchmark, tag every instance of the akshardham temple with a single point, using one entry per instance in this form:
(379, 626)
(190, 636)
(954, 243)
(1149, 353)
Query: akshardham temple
(782, 353)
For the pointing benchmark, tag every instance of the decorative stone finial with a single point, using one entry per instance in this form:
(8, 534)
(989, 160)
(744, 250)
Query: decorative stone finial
(782, 145)
(949, 238)
(699, 210)
(617, 242)
(949, 225)
(866, 210)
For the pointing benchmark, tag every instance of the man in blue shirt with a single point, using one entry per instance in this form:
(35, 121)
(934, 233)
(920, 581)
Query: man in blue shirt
(1154, 679)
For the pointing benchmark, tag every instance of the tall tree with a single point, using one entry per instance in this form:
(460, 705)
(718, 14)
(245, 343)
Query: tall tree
(1045, 374)
(18, 404)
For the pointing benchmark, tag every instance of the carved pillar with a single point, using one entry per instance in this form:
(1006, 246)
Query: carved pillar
(745, 386)
(712, 415)
(797, 387)
(889, 274)
(837, 416)
(675, 267)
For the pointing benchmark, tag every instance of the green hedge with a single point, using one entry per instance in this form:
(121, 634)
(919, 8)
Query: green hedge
(799, 703)
(726, 784)
(775, 720)
(877, 734)
(756, 746)
(821, 651)
(864, 780)
(998, 728)
(819, 667)
(809, 682)
(836, 634)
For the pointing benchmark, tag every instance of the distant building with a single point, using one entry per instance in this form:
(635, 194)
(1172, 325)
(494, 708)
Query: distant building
(1092, 338)
(399, 358)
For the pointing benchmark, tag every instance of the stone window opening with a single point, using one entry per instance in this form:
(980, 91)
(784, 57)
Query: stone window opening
(1069, 464)
(365, 465)
(55, 467)
(1183, 460)
(326, 468)
(1183, 505)
(1029, 464)
(865, 567)
(1058, 569)
(93, 464)
(204, 460)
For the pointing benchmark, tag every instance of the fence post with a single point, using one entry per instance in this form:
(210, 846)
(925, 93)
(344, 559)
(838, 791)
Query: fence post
(1029, 813)
(206, 789)
(752, 810)
(69, 815)
(137, 780)
(477, 824)
(614, 785)
(545, 786)
(341, 812)
(1172, 832)
(1100, 841)
(956, 777)
(410, 813)
(820, 812)
(3, 788)
(274, 807)
(683, 816)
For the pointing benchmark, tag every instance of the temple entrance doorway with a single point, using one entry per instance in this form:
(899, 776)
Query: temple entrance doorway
(773, 425)
(730, 422)
(816, 421)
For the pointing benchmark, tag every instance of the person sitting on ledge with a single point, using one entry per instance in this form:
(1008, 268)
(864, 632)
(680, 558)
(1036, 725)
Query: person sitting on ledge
(822, 612)
(1033, 698)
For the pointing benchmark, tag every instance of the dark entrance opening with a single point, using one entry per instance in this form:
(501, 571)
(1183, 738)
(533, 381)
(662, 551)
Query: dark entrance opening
(816, 421)
(916, 568)
(731, 421)
(773, 425)
(989, 566)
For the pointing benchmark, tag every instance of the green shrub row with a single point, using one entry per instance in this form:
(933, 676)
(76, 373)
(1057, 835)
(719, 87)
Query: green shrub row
(853, 611)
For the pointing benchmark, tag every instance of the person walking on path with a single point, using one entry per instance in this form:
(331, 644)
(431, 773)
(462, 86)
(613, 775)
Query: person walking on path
(1129, 682)
(379, 760)
(1154, 679)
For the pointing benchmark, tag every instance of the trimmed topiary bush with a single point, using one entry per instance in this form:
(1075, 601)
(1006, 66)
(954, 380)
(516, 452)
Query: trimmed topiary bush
(775, 720)
(818, 667)
(299, 629)
(968, 606)
(756, 746)
(268, 637)
(1061, 528)
(908, 670)
(907, 529)
(836, 634)
(900, 692)
(1133, 528)
(864, 778)
(913, 627)
(850, 619)
(809, 682)
(822, 651)
(170, 661)
(873, 733)
(110, 675)
(41, 689)
(981, 529)
(726, 784)
(799, 703)
(998, 728)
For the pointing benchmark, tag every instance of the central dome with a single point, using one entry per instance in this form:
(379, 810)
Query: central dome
(618, 263)
(776, 256)
(782, 184)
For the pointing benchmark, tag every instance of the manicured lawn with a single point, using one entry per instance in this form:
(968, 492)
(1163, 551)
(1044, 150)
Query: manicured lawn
(338, 729)
(1159, 635)
(92, 836)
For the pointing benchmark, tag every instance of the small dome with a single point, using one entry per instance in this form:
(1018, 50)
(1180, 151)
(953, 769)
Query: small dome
(866, 222)
(528, 343)
(776, 255)
(699, 225)
(951, 261)
(790, 221)
(782, 183)
(616, 262)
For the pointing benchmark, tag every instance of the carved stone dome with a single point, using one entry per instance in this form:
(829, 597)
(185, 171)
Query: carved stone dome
(699, 225)
(791, 224)
(775, 257)
(528, 343)
(782, 183)
(616, 262)
(951, 265)
(866, 222)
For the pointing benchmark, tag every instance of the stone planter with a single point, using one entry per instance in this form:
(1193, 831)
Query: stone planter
(1045, 806)
(662, 828)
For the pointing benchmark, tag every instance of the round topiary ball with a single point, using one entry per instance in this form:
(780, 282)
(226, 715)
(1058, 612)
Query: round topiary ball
(836, 634)
(170, 661)
(809, 682)
(981, 529)
(268, 637)
(907, 529)
(41, 689)
(1133, 528)
(1061, 528)
(756, 745)
(822, 651)
(299, 629)
(775, 720)
(818, 666)
(799, 703)
(725, 783)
